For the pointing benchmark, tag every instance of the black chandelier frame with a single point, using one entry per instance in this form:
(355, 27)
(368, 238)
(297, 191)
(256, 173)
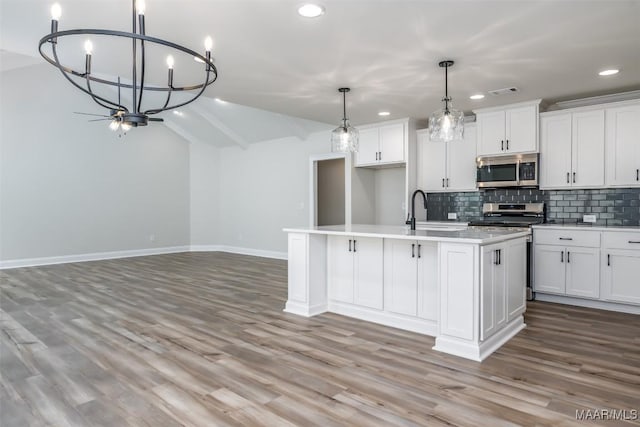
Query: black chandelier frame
(118, 112)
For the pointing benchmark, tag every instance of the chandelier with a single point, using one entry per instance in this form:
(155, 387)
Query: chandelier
(446, 124)
(124, 117)
(345, 137)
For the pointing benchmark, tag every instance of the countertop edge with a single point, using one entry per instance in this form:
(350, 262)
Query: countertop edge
(628, 228)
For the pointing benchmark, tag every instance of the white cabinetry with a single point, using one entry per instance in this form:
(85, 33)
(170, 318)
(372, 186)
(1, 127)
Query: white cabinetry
(384, 144)
(621, 266)
(502, 286)
(509, 129)
(572, 149)
(411, 278)
(622, 143)
(355, 270)
(566, 262)
(447, 166)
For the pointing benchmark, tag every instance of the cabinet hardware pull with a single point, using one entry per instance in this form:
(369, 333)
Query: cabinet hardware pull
(568, 257)
(634, 241)
(499, 256)
(349, 245)
(574, 177)
(419, 254)
(447, 182)
(507, 144)
(562, 256)
(502, 145)
(354, 245)
(413, 250)
(608, 259)
(379, 155)
(637, 174)
(442, 182)
(567, 177)
(565, 238)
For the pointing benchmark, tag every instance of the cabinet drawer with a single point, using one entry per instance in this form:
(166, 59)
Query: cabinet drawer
(586, 238)
(620, 240)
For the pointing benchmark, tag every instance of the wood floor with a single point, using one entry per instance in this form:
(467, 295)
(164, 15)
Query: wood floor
(200, 339)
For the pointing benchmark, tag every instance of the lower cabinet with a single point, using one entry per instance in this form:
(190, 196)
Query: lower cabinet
(502, 285)
(621, 267)
(354, 267)
(411, 278)
(567, 270)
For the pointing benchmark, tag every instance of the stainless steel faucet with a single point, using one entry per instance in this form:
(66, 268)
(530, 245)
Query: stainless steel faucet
(412, 219)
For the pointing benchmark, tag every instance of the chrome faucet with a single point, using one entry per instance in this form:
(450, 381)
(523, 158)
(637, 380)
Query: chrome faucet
(412, 219)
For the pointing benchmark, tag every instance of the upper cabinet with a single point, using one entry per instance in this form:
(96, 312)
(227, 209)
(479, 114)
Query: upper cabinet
(572, 149)
(447, 166)
(622, 142)
(508, 129)
(383, 144)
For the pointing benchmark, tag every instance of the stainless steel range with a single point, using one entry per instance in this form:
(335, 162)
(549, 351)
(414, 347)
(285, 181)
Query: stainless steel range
(512, 216)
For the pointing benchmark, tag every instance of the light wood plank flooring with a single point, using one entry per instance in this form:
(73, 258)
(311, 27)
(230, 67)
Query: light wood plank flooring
(200, 339)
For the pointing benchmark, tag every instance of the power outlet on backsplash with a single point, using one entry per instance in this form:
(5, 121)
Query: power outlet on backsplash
(452, 215)
(589, 218)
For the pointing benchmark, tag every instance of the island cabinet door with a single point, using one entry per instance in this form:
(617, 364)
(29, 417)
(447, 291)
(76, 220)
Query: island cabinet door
(515, 261)
(492, 290)
(400, 276)
(428, 301)
(340, 268)
(367, 274)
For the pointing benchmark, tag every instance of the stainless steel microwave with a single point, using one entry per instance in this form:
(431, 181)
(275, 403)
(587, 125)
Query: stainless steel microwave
(520, 170)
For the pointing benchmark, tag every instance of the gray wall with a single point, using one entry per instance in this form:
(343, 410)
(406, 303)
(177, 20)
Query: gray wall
(71, 187)
(619, 206)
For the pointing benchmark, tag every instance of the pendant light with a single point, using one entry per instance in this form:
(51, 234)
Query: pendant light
(345, 137)
(446, 124)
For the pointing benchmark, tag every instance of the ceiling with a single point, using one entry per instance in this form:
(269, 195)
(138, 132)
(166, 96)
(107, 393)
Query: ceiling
(387, 51)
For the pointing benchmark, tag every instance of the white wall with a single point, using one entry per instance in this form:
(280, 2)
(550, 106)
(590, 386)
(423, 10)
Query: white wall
(71, 187)
(264, 189)
(204, 193)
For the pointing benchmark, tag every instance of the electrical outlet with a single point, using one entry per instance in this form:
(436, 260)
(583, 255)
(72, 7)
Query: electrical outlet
(152, 237)
(588, 218)
(452, 215)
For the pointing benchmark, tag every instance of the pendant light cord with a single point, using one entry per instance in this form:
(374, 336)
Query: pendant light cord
(344, 108)
(446, 88)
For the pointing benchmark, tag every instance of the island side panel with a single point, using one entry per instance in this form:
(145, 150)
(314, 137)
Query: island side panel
(307, 279)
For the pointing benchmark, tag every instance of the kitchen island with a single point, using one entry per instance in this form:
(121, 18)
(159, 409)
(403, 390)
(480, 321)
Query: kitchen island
(465, 287)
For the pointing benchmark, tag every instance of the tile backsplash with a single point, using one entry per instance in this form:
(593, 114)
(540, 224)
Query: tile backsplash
(613, 206)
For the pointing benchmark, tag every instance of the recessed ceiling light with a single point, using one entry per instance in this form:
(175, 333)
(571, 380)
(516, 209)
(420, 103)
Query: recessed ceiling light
(477, 96)
(609, 72)
(384, 113)
(310, 10)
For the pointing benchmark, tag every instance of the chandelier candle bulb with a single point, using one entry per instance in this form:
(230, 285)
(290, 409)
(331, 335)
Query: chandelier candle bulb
(140, 6)
(56, 12)
(88, 47)
(170, 62)
(208, 44)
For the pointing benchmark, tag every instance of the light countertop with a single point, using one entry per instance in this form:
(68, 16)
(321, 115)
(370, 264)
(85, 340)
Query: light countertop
(402, 232)
(552, 226)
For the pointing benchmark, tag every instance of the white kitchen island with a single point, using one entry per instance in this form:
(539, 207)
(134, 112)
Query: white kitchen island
(465, 287)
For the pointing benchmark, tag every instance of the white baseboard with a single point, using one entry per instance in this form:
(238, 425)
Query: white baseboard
(96, 256)
(580, 302)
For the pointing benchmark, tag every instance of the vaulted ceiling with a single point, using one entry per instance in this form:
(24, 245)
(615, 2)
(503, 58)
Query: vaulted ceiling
(270, 58)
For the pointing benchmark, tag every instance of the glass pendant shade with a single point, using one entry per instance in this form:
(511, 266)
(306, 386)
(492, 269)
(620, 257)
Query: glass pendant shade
(446, 124)
(345, 138)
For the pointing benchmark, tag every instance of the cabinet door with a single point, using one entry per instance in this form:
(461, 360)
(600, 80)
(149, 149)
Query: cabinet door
(340, 268)
(549, 269)
(583, 272)
(623, 146)
(555, 151)
(492, 290)
(428, 280)
(515, 261)
(400, 276)
(461, 162)
(368, 151)
(392, 143)
(588, 149)
(432, 168)
(367, 274)
(490, 128)
(620, 273)
(521, 129)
